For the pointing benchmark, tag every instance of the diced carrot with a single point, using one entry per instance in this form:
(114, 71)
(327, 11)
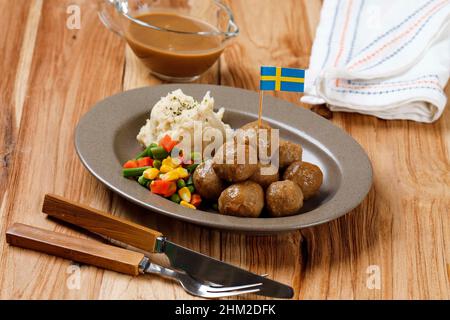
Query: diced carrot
(196, 200)
(130, 164)
(167, 143)
(145, 162)
(171, 190)
(163, 188)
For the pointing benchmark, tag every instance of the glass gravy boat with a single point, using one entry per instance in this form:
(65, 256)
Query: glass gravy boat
(177, 40)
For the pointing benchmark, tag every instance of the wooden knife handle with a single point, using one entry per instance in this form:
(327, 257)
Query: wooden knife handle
(100, 222)
(81, 250)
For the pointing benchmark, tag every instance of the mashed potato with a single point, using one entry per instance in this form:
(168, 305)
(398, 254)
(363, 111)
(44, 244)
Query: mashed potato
(175, 115)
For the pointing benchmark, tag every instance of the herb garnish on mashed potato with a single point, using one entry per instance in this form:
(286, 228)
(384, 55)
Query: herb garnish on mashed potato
(176, 114)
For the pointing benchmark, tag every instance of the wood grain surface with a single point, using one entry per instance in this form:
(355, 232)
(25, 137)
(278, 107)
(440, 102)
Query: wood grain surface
(52, 75)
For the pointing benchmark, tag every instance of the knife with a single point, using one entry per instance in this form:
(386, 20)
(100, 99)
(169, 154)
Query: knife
(94, 253)
(194, 263)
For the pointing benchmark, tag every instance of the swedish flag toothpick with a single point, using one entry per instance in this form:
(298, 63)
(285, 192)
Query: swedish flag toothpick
(282, 79)
(279, 79)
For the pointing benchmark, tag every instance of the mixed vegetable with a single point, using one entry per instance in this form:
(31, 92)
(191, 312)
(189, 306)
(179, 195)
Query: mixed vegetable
(171, 177)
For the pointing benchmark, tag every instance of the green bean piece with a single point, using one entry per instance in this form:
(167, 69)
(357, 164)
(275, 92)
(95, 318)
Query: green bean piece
(143, 181)
(157, 164)
(134, 172)
(181, 183)
(149, 149)
(159, 153)
(191, 188)
(146, 152)
(141, 154)
(175, 198)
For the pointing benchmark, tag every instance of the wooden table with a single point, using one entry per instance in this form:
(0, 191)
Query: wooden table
(51, 76)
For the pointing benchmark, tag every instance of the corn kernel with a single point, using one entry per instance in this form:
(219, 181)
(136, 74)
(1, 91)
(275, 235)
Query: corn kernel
(185, 194)
(187, 205)
(171, 162)
(167, 162)
(165, 168)
(151, 173)
(182, 172)
(170, 176)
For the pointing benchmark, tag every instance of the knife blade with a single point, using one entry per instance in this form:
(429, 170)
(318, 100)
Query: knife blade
(196, 264)
(207, 268)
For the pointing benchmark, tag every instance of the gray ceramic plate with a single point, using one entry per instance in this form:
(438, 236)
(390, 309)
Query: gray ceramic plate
(106, 138)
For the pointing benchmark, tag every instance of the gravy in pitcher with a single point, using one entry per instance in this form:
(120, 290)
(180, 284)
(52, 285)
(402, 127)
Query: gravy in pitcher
(174, 54)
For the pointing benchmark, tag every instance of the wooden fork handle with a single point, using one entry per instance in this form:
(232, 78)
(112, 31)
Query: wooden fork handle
(100, 222)
(81, 250)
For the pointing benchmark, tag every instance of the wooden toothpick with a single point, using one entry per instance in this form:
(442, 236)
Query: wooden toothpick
(260, 108)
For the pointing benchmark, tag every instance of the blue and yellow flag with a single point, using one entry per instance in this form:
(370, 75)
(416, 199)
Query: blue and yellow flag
(282, 79)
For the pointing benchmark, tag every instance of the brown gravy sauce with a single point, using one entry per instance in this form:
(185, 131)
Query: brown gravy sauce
(170, 53)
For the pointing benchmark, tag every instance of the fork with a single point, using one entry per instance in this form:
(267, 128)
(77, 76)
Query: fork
(192, 285)
(200, 288)
(114, 258)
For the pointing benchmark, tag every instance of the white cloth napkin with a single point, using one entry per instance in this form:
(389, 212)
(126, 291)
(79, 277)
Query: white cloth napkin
(386, 58)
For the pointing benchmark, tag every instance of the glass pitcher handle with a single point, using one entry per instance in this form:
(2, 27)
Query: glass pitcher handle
(233, 29)
(106, 18)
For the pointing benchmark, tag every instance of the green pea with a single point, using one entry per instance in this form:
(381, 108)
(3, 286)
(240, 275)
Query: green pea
(181, 183)
(215, 206)
(191, 188)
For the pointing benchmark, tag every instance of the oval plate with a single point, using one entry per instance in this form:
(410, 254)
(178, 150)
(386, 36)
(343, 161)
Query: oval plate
(106, 137)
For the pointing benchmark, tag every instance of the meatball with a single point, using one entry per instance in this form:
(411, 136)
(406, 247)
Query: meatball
(207, 182)
(264, 143)
(263, 178)
(284, 198)
(308, 176)
(289, 152)
(244, 199)
(229, 166)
